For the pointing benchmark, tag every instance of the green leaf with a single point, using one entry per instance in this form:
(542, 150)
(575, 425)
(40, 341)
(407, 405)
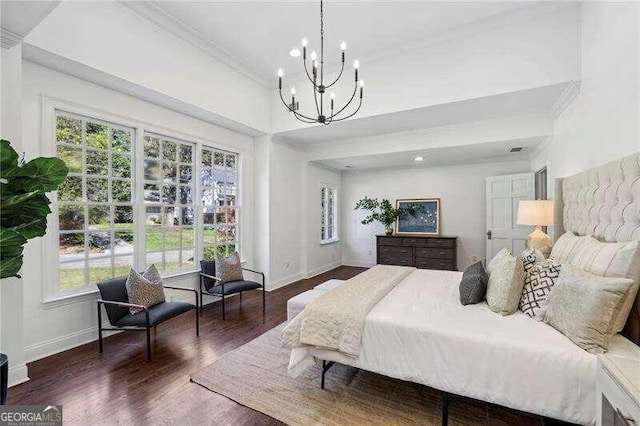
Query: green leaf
(35, 228)
(13, 200)
(33, 208)
(8, 158)
(11, 267)
(11, 245)
(40, 174)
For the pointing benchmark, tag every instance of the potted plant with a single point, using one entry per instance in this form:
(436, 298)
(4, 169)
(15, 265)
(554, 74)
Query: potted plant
(383, 212)
(24, 205)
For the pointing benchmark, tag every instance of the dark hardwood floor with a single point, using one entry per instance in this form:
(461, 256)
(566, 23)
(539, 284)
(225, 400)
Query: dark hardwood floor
(119, 386)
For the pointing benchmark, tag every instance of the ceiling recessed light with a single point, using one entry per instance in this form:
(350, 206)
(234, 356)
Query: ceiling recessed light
(418, 158)
(516, 149)
(294, 52)
(348, 166)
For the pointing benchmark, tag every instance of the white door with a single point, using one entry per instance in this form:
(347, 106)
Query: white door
(503, 195)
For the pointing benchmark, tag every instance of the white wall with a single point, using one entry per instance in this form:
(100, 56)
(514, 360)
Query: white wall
(293, 225)
(286, 218)
(461, 190)
(603, 121)
(122, 43)
(56, 327)
(12, 289)
(512, 52)
(320, 257)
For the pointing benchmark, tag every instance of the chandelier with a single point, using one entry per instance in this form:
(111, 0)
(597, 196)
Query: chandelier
(316, 77)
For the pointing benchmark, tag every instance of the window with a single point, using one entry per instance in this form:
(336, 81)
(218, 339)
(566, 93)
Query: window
(95, 209)
(169, 189)
(219, 178)
(126, 205)
(328, 223)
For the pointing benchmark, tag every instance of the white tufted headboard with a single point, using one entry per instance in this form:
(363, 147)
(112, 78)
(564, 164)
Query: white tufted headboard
(605, 202)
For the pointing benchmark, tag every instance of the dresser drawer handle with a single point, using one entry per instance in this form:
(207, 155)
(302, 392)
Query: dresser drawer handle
(442, 253)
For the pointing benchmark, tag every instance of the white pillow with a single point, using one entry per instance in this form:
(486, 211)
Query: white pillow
(567, 245)
(506, 279)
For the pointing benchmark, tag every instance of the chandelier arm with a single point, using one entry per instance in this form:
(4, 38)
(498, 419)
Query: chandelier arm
(309, 120)
(355, 89)
(339, 75)
(304, 65)
(350, 115)
(297, 114)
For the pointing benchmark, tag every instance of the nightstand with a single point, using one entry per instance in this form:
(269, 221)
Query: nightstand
(618, 391)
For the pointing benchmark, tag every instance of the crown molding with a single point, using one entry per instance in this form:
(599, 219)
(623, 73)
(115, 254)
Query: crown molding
(567, 96)
(524, 13)
(171, 24)
(9, 39)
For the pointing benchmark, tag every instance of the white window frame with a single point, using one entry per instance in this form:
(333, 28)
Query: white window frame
(328, 212)
(52, 295)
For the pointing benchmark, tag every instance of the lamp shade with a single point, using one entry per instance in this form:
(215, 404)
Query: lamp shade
(535, 212)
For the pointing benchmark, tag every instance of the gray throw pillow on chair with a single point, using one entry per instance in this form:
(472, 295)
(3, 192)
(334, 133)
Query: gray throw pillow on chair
(474, 284)
(228, 269)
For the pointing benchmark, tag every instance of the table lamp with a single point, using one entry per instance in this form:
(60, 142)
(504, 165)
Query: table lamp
(538, 213)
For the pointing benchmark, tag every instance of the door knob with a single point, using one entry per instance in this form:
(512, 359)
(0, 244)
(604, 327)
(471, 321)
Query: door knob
(489, 234)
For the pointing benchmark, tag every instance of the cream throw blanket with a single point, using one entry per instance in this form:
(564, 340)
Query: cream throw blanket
(335, 320)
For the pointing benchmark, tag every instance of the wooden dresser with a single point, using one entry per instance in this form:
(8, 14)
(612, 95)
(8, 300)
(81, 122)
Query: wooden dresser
(424, 252)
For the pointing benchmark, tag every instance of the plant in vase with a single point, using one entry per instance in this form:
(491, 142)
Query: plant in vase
(383, 212)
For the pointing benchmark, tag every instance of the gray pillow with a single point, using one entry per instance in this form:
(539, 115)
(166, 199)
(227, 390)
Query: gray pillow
(474, 284)
(228, 269)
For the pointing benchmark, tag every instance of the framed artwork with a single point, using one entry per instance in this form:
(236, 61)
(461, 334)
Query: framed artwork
(422, 217)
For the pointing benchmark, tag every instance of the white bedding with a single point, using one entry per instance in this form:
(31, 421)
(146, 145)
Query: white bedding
(421, 333)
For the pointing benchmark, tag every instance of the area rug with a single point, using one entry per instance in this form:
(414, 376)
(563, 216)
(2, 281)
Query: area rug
(255, 375)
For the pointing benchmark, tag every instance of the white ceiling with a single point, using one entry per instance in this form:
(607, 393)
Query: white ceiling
(259, 35)
(539, 100)
(434, 157)
(20, 17)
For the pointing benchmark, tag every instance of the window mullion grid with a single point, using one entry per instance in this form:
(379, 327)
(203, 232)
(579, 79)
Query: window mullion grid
(196, 199)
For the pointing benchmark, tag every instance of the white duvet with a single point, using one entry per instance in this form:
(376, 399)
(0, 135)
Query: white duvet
(421, 333)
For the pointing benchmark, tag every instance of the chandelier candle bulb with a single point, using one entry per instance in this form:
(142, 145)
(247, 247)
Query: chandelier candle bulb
(314, 55)
(343, 45)
(304, 42)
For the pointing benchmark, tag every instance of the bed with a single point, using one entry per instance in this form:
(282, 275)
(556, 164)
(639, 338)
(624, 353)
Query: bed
(420, 332)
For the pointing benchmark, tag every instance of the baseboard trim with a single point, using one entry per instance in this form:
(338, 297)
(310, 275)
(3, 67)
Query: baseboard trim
(323, 269)
(274, 285)
(358, 263)
(18, 374)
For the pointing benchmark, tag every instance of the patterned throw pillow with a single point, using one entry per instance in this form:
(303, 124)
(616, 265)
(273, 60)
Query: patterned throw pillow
(228, 268)
(530, 257)
(145, 289)
(538, 283)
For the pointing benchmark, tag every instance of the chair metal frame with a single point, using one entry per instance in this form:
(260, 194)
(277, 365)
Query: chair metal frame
(147, 326)
(204, 291)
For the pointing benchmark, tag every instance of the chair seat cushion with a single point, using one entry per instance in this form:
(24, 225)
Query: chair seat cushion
(157, 314)
(233, 287)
